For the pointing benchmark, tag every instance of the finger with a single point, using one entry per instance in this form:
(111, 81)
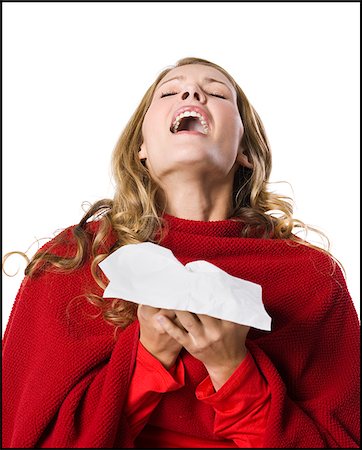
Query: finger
(179, 324)
(147, 311)
(213, 323)
(190, 322)
(172, 329)
(170, 313)
(209, 321)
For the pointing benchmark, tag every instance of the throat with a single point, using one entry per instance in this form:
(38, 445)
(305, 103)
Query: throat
(190, 124)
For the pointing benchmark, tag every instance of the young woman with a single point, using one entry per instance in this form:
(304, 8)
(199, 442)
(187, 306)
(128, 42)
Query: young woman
(79, 370)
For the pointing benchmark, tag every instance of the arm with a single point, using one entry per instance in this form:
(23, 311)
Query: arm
(65, 374)
(150, 380)
(241, 405)
(311, 366)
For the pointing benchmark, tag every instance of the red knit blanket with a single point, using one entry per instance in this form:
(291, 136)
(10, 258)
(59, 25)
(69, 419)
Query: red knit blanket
(65, 377)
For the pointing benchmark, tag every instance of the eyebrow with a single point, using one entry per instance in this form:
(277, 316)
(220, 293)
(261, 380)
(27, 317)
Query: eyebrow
(207, 79)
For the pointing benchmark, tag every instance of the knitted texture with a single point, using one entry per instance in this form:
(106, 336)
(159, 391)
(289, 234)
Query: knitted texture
(65, 376)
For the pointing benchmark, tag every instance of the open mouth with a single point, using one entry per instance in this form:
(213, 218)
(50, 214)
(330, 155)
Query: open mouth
(190, 121)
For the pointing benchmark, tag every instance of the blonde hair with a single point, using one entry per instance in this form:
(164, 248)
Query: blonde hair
(135, 213)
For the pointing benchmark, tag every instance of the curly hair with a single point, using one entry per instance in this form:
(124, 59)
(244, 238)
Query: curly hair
(135, 212)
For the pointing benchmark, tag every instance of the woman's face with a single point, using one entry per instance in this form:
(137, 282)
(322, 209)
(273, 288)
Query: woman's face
(193, 124)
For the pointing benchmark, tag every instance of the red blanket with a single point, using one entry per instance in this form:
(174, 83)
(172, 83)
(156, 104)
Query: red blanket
(66, 376)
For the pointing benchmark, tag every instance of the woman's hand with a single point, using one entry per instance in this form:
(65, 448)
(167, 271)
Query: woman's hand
(219, 344)
(154, 338)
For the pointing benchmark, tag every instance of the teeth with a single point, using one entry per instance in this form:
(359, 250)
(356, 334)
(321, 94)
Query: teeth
(178, 118)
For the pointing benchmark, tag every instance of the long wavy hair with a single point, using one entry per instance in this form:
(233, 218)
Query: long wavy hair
(135, 213)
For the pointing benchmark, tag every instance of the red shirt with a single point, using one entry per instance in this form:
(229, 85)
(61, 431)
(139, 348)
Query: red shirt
(240, 406)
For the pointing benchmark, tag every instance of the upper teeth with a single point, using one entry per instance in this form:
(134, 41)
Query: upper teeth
(178, 118)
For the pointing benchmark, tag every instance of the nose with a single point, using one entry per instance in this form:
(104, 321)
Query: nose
(193, 92)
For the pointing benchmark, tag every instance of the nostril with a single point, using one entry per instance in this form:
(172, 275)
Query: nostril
(196, 95)
(185, 95)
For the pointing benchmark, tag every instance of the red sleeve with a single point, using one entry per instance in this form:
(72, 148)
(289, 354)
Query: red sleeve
(241, 405)
(149, 381)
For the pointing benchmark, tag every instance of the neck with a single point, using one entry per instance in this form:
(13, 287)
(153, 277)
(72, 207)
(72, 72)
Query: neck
(199, 199)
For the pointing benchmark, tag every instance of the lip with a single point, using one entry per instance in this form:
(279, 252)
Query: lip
(195, 108)
(196, 133)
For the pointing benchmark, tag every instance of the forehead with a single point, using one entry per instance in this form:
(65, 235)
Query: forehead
(197, 72)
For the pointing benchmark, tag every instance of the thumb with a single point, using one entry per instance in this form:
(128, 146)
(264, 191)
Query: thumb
(146, 312)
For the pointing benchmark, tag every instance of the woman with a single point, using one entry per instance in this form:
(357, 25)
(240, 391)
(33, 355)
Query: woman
(192, 169)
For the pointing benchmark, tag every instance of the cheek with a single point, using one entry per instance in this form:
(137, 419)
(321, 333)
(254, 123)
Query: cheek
(147, 125)
(153, 124)
(233, 128)
(153, 139)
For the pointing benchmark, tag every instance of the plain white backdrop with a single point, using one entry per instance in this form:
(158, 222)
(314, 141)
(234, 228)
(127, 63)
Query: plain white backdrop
(73, 73)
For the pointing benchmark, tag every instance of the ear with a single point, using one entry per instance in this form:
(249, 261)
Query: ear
(243, 160)
(142, 152)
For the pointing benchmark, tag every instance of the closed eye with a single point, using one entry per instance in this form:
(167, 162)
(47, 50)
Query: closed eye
(218, 95)
(167, 94)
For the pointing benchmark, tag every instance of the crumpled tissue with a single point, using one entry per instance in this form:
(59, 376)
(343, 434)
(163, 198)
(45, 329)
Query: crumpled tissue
(150, 274)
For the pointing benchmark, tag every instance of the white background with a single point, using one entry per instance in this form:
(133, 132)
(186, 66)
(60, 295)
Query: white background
(73, 73)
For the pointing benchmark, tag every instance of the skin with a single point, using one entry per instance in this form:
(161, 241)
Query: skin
(196, 173)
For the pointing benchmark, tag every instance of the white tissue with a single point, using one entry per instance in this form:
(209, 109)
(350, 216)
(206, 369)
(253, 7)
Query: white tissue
(150, 274)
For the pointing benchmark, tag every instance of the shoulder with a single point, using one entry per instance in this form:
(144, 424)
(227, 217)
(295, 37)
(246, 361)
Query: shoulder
(66, 240)
(58, 294)
(62, 241)
(68, 257)
(302, 259)
(318, 262)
